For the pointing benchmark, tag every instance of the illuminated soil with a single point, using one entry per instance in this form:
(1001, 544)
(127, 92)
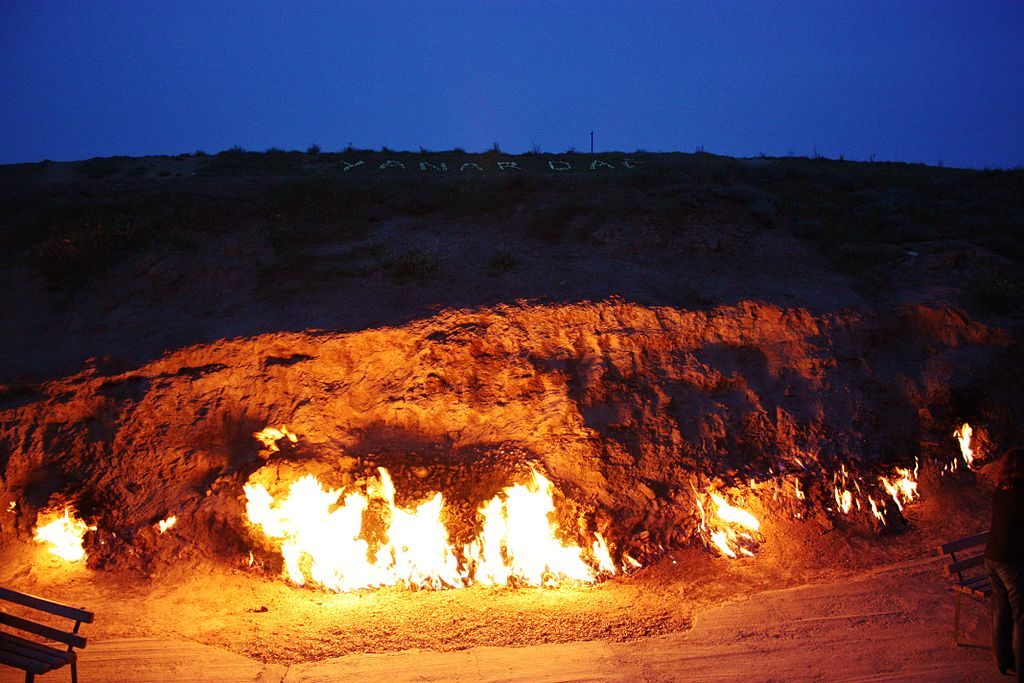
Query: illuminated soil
(266, 619)
(738, 326)
(630, 410)
(633, 412)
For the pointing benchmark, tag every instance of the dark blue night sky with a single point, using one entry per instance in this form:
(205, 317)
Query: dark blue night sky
(908, 81)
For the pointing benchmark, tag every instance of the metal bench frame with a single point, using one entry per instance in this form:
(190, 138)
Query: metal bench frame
(34, 657)
(965, 555)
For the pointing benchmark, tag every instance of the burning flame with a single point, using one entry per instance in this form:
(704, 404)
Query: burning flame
(64, 533)
(269, 437)
(324, 545)
(323, 538)
(329, 536)
(732, 536)
(963, 435)
(904, 489)
(734, 515)
(518, 541)
(844, 499)
(164, 524)
(602, 555)
(875, 511)
(901, 486)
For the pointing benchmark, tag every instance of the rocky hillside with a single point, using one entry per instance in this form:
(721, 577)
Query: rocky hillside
(643, 328)
(130, 258)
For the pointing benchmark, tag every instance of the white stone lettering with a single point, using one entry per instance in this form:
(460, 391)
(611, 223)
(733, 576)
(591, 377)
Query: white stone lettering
(504, 165)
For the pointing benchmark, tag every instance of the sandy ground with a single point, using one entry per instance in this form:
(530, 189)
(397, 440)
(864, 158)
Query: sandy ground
(814, 604)
(817, 603)
(893, 623)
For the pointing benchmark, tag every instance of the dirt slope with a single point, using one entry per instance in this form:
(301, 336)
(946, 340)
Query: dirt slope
(682, 325)
(633, 412)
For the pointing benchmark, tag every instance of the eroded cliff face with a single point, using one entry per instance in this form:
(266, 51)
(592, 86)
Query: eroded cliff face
(632, 411)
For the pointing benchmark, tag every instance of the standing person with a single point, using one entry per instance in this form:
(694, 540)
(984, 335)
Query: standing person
(1004, 560)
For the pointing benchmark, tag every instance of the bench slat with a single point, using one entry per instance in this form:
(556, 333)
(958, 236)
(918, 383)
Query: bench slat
(976, 582)
(28, 648)
(41, 630)
(961, 543)
(978, 586)
(23, 663)
(981, 592)
(968, 563)
(31, 653)
(45, 605)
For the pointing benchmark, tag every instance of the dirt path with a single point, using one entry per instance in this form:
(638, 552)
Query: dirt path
(892, 623)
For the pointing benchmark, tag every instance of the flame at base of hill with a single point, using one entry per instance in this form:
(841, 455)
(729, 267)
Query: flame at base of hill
(63, 533)
(635, 416)
(347, 541)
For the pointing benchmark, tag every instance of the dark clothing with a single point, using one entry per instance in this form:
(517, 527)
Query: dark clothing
(1007, 615)
(1006, 541)
(1004, 560)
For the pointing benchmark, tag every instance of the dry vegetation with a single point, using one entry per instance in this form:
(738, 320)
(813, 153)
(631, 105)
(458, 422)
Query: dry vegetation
(76, 219)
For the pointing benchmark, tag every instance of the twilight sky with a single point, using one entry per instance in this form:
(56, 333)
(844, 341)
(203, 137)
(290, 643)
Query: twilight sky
(929, 80)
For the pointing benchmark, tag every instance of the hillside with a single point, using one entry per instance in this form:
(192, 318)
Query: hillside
(663, 336)
(130, 257)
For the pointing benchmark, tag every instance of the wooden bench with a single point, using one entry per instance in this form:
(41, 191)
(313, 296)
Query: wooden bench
(34, 657)
(966, 566)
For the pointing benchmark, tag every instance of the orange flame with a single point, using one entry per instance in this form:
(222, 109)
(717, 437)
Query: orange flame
(269, 436)
(323, 541)
(734, 515)
(901, 486)
(963, 435)
(904, 489)
(602, 555)
(324, 545)
(730, 529)
(875, 511)
(844, 499)
(64, 534)
(164, 524)
(518, 541)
